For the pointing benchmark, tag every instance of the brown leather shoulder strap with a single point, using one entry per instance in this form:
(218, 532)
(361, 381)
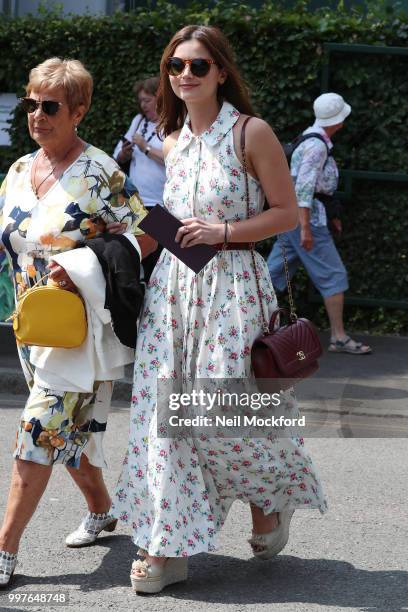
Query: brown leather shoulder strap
(243, 132)
(265, 325)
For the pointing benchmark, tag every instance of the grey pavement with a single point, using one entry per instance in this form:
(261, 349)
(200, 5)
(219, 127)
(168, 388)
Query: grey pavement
(352, 558)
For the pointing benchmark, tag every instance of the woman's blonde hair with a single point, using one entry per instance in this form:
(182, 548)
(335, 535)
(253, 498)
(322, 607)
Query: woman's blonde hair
(69, 74)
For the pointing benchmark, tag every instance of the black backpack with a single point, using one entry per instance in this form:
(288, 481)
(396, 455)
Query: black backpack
(332, 204)
(290, 147)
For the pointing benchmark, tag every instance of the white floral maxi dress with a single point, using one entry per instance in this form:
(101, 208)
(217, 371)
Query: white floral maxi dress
(175, 494)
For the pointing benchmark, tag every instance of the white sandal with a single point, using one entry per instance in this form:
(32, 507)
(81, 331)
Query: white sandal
(8, 562)
(268, 545)
(156, 577)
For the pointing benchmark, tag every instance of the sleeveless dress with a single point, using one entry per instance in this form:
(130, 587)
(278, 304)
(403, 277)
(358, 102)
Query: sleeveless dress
(175, 493)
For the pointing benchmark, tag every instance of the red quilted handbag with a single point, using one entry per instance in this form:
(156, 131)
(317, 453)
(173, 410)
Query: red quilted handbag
(288, 352)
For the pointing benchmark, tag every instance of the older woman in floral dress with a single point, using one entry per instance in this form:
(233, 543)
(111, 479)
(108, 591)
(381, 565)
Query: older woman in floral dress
(52, 198)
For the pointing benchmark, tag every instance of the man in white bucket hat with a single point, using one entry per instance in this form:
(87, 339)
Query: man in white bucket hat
(315, 175)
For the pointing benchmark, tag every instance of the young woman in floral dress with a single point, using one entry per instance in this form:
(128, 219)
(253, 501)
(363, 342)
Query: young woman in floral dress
(175, 493)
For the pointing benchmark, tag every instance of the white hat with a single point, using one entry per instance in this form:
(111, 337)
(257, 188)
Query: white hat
(330, 109)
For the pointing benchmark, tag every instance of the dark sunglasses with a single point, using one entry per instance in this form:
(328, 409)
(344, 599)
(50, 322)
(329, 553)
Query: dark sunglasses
(200, 67)
(49, 107)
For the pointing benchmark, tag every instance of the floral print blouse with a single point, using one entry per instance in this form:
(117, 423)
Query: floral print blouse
(314, 171)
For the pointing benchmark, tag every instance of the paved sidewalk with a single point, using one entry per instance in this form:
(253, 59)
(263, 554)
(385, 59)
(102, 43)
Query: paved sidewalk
(352, 558)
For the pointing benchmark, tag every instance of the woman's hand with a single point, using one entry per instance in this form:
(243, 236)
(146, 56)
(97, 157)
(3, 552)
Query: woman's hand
(306, 237)
(197, 231)
(125, 153)
(140, 142)
(60, 277)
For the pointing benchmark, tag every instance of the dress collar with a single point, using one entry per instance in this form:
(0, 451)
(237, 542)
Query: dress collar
(226, 119)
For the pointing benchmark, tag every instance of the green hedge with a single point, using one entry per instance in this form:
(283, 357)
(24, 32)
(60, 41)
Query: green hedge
(281, 56)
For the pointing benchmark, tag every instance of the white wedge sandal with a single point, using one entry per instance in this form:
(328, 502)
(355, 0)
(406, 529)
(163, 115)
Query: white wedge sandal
(156, 577)
(268, 545)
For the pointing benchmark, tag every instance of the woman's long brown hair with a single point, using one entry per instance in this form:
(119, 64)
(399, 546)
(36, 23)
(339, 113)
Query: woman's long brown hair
(171, 110)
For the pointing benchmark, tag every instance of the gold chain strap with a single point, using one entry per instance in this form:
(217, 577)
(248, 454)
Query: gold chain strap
(293, 315)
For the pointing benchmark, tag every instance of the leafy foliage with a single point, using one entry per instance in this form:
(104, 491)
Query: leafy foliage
(280, 53)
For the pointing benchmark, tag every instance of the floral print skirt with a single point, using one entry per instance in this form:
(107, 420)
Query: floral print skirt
(175, 493)
(56, 427)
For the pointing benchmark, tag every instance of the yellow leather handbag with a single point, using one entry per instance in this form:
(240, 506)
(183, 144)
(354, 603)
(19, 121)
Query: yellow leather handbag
(50, 316)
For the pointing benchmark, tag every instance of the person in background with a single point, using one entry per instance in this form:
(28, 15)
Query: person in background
(140, 154)
(314, 172)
